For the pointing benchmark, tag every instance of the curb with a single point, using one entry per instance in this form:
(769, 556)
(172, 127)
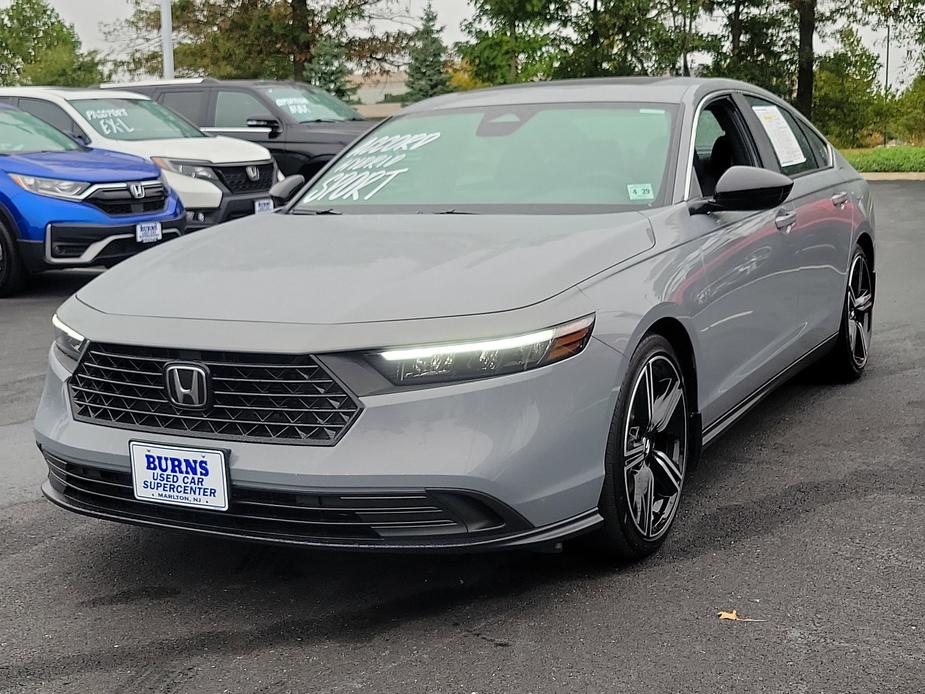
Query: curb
(895, 176)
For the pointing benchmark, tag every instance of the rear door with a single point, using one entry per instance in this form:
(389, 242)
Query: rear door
(822, 230)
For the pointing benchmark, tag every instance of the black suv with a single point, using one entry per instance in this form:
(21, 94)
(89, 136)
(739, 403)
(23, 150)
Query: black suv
(302, 126)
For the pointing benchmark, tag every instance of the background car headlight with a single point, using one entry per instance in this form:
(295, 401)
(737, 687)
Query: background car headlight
(186, 168)
(52, 187)
(480, 359)
(67, 339)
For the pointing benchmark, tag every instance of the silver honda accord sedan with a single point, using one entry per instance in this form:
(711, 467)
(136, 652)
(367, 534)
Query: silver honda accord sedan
(500, 319)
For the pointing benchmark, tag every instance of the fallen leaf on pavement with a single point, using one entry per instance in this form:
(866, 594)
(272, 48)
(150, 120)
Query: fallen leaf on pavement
(734, 617)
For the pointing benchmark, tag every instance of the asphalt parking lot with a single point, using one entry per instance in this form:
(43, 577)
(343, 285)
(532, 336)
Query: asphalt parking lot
(809, 516)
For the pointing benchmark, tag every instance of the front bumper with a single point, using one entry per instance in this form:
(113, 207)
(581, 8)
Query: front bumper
(231, 207)
(505, 462)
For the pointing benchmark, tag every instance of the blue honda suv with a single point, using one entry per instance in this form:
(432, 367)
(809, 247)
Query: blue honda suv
(65, 205)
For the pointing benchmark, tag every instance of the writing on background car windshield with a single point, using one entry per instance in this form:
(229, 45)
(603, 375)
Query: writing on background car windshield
(370, 167)
(783, 140)
(109, 121)
(296, 105)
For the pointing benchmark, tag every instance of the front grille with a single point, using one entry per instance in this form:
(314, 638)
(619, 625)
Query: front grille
(255, 397)
(236, 179)
(120, 201)
(294, 516)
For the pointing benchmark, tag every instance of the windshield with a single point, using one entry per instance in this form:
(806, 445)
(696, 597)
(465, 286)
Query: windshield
(22, 133)
(542, 158)
(305, 105)
(134, 119)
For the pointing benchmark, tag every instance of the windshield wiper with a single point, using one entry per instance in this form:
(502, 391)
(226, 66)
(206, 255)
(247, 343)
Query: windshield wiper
(326, 210)
(453, 211)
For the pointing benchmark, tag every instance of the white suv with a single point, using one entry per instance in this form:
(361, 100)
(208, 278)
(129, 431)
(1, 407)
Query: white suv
(217, 178)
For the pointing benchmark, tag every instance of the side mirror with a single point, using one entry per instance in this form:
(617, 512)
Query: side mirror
(747, 188)
(282, 191)
(269, 122)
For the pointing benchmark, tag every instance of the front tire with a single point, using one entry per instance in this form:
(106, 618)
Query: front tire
(648, 453)
(848, 359)
(12, 271)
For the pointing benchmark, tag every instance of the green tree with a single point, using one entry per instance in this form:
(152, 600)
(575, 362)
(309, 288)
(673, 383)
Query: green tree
(39, 48)
(274, 39)
(329, 70)
(848, 105)
(427, 73)
(513, 40)
(758, 44)
(908, 118)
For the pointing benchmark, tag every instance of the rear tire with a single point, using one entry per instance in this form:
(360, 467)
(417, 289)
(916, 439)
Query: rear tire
(649, 450)
(12, 271)
(848, 359)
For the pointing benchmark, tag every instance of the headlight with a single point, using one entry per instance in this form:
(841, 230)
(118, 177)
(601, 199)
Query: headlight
(67, 339)
(52, 187)
(468, 360)
(186, 168)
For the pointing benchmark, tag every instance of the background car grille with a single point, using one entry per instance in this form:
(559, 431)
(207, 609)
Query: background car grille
(384, 515)
(119, 201)
(236, 179)
(255, 397)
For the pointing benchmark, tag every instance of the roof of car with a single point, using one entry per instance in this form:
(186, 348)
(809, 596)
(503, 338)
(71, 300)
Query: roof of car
(616, 89)
(187, 81)
(69, 93)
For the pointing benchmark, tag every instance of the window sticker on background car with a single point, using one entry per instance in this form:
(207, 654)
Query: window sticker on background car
(640, 191)
(782, 138)
(298, 105)
(369, 168)
(109, 120)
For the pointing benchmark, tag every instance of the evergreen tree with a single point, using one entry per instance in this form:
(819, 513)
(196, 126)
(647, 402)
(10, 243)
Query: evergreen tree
(328, 70)
(427, 75)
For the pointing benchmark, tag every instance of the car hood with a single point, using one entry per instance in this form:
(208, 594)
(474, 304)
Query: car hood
(339, 132)
(91, 165)
(366, 268)
(217, 150)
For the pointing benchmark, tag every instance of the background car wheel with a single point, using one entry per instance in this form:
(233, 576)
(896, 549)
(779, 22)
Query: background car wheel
(849, 357)
(648, 453)
(12, 272)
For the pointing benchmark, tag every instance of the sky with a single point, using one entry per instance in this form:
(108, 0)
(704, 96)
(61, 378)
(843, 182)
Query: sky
(88, 15)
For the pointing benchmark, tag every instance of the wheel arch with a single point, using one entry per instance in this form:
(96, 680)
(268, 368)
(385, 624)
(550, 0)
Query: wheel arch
(866, 241)
(673, 330)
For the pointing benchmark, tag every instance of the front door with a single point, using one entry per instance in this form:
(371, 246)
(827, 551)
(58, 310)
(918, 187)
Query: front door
(748, 327)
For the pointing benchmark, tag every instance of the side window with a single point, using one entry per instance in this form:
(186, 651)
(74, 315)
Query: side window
(819, 146)
(793, 150)
(721, 140)
(187, 104)
(233, 108)
(51, 113)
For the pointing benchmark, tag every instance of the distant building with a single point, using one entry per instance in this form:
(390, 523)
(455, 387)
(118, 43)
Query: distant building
(379, 96)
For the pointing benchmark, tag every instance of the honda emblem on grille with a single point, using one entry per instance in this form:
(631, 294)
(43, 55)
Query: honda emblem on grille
(188, 385)
(137, 190)
(253, 172)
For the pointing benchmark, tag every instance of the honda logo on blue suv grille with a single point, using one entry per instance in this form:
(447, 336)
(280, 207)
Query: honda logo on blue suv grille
(187, 385)
(137, 190)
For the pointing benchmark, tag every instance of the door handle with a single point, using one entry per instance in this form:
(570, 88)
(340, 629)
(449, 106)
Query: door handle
(840, 200)
(785, 220)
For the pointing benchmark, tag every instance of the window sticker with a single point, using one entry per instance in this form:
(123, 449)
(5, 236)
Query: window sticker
(369, 168)
(785, 144)
(296, 105)
(640, 191)
(109, 121)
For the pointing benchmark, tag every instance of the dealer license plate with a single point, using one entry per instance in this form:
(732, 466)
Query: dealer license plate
(263, 205)
(148, 232)
(193, 477)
